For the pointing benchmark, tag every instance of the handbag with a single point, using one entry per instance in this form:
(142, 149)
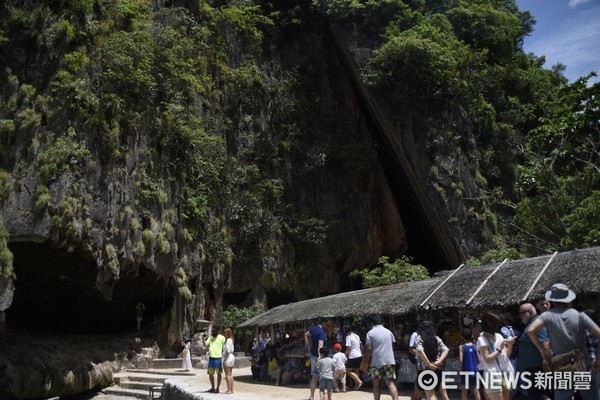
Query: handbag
(574, 360)
(364, 365)
(230, 361)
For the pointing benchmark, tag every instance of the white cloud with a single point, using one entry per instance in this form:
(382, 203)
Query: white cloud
(575, 3)
(575, 43)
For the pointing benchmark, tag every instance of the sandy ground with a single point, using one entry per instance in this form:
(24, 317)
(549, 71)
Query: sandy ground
(245, 389)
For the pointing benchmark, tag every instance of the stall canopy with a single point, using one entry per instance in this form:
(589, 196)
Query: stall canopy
(494, 285)
(400, 298)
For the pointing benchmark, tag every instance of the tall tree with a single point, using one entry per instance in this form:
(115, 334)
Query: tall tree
(560, 178)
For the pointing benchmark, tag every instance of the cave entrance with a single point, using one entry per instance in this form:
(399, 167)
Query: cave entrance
(55, 292)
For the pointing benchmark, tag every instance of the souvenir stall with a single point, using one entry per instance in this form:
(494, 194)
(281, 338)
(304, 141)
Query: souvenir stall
(452, 299)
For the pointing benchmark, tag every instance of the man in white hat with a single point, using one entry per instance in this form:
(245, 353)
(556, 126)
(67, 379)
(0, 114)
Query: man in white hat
(565, 332)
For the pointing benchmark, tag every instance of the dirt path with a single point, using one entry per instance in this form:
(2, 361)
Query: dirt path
(245, 389)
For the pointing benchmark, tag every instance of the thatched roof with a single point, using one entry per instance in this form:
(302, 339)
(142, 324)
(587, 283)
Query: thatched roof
(578, 269)
(397, 299)
(508, 283)
(494, 285)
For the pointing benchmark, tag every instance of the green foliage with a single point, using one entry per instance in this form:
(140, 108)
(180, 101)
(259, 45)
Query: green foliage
(128, 59)
(583, 229)
(5, 185)
(74, 95)
(132, 14)
(309, 231)
(496, 255)
(340, 8)
(212, 111)
(181, 281)
(560, 175)
(388, 273)
(6, 256)
(67, 153)
(148, 237)
(112, 259)
(233, 316)
(42, 197)
(486, 28)
(243, 21)
(425, 61)
(67, 217)
(140, 249)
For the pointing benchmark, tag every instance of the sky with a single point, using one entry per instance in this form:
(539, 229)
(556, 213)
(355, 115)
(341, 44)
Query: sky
(566, 31)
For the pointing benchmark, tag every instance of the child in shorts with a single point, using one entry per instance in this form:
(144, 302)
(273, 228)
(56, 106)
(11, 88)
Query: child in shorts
(326, 367)
(340, 368)
(468, 357)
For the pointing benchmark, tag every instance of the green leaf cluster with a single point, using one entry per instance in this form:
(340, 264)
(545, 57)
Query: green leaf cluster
(6, 256)
(560, 178)
(233, 316)
(388, 273)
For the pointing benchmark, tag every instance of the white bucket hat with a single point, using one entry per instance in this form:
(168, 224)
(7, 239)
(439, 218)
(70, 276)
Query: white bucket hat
(560, 293)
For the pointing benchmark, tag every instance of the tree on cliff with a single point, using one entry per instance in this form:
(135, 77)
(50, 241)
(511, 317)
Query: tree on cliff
(388, 273)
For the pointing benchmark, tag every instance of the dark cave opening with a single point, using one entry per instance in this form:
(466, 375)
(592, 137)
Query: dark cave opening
(238, 299)
(276, 298)
(55, 292)
(428, 242)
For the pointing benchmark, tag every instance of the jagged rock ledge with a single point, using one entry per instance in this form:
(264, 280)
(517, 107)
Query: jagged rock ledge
(35, 365)
(174, 389)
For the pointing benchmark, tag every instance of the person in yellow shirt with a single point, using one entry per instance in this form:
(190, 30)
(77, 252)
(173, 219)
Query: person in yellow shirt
(215, 343)
(274, 368)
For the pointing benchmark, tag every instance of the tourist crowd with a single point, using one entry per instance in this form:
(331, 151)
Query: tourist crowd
(548, 351)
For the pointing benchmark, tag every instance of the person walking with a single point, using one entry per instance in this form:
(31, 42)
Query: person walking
(529, 359)
(566, 326)
(228, 360)
(315, 339)
(215, 343)
(431, 355)
(380, 357)
(354, 355)
(340, 368)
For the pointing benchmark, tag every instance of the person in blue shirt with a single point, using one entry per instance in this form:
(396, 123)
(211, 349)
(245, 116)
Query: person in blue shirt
(315, 339)
(469, 360)
(529, 359)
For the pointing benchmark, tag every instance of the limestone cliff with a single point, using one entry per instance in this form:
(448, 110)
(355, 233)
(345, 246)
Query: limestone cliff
(184, 156)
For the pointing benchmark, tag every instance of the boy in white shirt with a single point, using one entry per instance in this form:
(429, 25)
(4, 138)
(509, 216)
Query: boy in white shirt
(340, 368)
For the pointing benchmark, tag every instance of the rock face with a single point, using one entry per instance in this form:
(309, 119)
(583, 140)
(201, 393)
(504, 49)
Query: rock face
(97, 218)
(33, 368)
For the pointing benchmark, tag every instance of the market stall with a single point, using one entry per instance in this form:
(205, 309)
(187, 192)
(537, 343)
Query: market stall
(452, 299)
